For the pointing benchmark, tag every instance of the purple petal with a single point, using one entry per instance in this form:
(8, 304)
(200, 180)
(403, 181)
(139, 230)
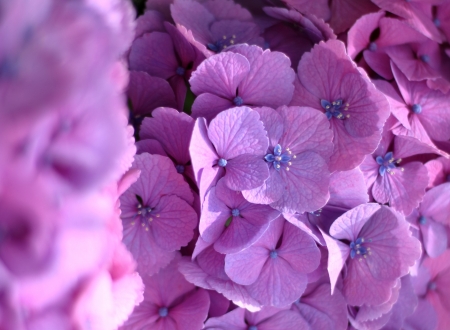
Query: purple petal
(209, 106)
(245, 267)
(246, 172)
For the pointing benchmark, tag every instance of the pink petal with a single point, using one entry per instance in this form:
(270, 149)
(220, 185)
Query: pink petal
(245, 267)
(192, 311)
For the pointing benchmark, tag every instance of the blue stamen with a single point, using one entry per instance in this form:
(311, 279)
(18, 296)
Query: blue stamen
(387, 163)
(279, 158)
(163, 312)
(437, 22)
(180, 71)
(222, 43)
(238, 101)
(357, 248)
(273, 254)
(334, 109)
(373, 46)
(180, 169)
(143, 210)
(422, 220)
(432, 286)
(235, 212)
(425, 58)
(253, 327)
(417, 108)
(222, 162)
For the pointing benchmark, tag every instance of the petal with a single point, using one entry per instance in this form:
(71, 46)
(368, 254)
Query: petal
(269, 81)
(220, 75)
(143, 102)
(174, 227)
(209, 106)
(245, 267)
(172, 129)
(273, 124)
(434, 238)
(270, 191)
(192, 311)
(307, 184)
(154, 54)
(283, 320)
(246, 172)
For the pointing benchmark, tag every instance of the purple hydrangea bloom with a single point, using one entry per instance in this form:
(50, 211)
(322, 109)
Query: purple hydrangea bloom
(267, 319)
(233, 146)
(298, 153)
(389, 175)
(170, 302)
(431, 217)
(244, 75)
(230, 222)
(216, 25)
(318, 8)
(421, 111)
(331, 83)
(274, 268)
(156, 214)
(379, 251)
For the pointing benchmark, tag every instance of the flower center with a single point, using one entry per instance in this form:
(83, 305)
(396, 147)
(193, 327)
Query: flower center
(253, 327)
(387, 163)
(273, 254)
(422, 220)
(416, 108)
(221, 44)
(425, 58)
(180, 168)
(235, 212)
(163, 312)
(373, 46)
(437, 22)
(357, 248)
(432, 286)
(238, 101)
(222, 162)
(180, 71)
(143, 210)
(335, 108)
(280, 158)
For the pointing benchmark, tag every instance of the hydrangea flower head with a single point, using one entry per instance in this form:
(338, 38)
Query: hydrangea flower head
(300, 146)
(330, 82)
(156, 214)
(244, 75)
(379, 251)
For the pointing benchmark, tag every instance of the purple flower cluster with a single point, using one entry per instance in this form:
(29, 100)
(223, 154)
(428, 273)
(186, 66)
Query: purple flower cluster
(283, 165)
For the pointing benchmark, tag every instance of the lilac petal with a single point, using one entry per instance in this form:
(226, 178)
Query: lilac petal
(172, 129)
(150, 146)
(246, 172)
(143, 102)
(306, 129)
(203, 157)
(346, 12)
(269, 81)
(379, 62)
(251, 52)
(423, 318)
(278, 284)
(322, 310)
(359, 34)
(245, 267)
(185, 51)
(438, 170)
(213, 217)
(272, 235)
(269, 192)
(348, 189)
(192, 311)
(243, 32)
(150, 21)
(273, 124)
(307, 184)
(219, 304)
(220, 75)
(338, 254)
(318, 8)
(397, 189)
(178, 84)
(434, 237)
(231, 320)
(299, 249)
(238, 131)
(227, 10)
(283, 320)
(435, 204)
(209, 106)
(154, 54)
(194, 16)
(174, 223)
